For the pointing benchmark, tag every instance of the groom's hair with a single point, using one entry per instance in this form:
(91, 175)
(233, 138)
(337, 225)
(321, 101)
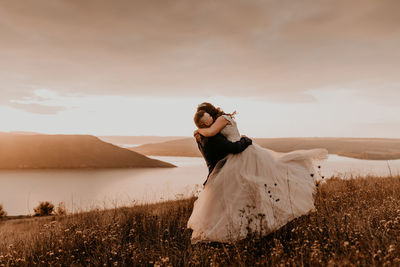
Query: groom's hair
(198, 119)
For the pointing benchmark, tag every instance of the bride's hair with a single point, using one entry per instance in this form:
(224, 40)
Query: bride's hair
(212, 110)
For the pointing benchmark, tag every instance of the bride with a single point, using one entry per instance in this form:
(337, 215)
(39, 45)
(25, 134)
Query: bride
(256, 191)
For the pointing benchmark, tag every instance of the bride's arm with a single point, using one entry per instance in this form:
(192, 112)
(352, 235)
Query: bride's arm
(215, 128)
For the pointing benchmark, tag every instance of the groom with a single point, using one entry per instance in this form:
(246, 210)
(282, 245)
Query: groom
(216, 148)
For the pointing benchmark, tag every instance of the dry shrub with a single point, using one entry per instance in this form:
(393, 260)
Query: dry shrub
(3, 213)
(61, 209)
(44, 208)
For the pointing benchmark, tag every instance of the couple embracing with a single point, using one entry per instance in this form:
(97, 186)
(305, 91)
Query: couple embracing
(249, 189)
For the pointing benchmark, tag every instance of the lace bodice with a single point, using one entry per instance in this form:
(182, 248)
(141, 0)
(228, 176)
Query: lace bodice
(231, 131)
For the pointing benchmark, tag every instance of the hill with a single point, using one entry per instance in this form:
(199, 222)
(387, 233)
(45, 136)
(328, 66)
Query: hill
(361, 148)
(135, 140)
(185, 147)
(68, 151)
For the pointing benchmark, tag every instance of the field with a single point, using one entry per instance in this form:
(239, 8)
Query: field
(357, 222)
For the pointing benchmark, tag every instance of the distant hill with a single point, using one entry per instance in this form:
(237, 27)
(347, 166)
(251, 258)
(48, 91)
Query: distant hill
(185, 147)
(361, 148)
(22, 132)
(135, 140)
(17, 133)
(20, 151)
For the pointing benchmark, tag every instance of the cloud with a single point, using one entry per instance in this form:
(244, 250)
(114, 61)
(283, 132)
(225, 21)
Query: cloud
(37, 108)
(34, 101)
(275, 50)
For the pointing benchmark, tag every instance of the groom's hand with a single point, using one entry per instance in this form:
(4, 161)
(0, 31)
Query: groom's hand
(246, 139)
(197, 135)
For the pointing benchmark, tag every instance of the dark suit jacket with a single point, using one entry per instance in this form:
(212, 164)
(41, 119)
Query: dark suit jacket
(217, 147)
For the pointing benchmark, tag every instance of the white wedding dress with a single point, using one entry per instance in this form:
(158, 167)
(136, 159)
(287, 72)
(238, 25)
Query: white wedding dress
(256, 191)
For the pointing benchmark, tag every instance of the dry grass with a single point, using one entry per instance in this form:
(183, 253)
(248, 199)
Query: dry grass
(357, 222)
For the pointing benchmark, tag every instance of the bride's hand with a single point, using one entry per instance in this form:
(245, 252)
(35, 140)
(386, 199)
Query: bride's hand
(215, 128)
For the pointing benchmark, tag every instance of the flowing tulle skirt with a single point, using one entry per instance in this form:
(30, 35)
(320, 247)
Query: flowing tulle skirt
(256, 191)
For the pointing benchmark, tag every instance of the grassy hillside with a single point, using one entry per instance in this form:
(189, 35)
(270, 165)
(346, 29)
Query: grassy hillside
(361, 148)
(357, 222)
(67, 151)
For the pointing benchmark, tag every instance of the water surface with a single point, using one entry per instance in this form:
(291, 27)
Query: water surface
(21, 191)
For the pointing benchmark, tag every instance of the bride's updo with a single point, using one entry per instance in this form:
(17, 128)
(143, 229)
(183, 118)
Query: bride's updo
(210, 109)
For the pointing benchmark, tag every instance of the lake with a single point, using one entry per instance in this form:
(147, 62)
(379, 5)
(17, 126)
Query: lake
(21, 191)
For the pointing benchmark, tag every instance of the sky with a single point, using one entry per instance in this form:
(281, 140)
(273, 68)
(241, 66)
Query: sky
(127, 67)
